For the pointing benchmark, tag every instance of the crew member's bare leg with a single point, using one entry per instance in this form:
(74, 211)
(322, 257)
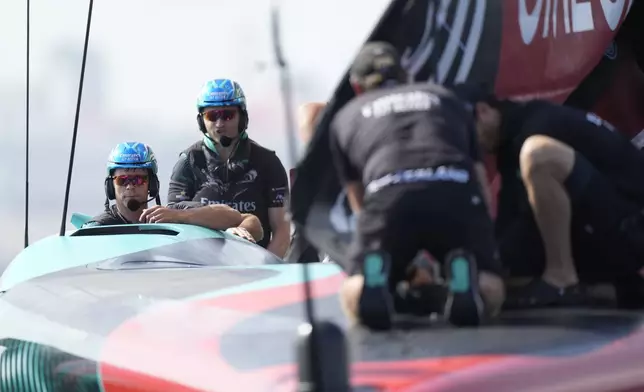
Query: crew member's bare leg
(545, 165)
(493, 293)
(490, 286)
(350, 297)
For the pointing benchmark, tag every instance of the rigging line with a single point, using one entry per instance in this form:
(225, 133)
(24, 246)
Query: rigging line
(27, 127)
(78, 103)
(285, 87)
(285, 84)
(314, 357)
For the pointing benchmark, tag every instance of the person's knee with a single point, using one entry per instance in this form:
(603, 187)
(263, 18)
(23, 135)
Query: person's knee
(544, 156)
(493, 292)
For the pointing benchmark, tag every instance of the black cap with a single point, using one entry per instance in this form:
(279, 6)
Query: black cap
(376, 58)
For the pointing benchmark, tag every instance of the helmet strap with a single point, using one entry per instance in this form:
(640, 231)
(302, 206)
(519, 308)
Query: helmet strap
(243, 123)
(210, 143)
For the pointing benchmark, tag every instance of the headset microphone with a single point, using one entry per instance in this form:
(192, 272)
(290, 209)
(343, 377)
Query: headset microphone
(134, 205)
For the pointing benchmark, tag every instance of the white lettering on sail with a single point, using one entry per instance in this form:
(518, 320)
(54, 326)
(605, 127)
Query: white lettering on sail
(413, 60)
(454, 40)
(437, 21)
(613, 12)
(582, 15)
(577, 16)
(472, 43)
(529, 21)
(546, 23)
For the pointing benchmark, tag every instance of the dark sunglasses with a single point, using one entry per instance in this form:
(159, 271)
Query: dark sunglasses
(225, 114)
(134, 180)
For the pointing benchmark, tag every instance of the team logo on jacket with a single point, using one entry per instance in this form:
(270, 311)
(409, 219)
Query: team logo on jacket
(249, 177)
(239, 205)
(234, 202)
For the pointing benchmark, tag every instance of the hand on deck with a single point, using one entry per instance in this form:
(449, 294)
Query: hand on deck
(241, 232)
(160, 214)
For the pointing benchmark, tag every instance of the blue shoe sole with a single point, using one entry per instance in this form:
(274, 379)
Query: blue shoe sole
(375, 307)
(464, 305)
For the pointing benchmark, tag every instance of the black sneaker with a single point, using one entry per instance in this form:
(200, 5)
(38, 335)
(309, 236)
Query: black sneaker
(375, 307)
(464, 305)
(541, 294)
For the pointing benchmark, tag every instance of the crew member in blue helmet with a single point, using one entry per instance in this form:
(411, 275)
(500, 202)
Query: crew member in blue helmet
(132, 182)
(227, 167)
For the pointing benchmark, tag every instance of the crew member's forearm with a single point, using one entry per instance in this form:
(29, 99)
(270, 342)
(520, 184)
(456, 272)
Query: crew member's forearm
(253, 226)
(184, 205)
(214, 216)
(280, 240)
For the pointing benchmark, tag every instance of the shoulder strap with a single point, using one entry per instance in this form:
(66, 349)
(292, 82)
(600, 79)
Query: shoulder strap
(199, 158)
(195, 155)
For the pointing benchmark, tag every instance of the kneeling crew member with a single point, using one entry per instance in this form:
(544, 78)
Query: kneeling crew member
(409, 160)
(570, 201)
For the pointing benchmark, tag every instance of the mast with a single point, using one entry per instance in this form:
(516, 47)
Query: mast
(78, 103)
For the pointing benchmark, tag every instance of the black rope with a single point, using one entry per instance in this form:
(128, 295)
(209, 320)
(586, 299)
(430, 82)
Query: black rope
(78, 103)
(314, 359)
(285, 86)
(27, 129)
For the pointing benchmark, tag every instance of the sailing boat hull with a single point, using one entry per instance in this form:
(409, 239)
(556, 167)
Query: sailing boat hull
(121, 324)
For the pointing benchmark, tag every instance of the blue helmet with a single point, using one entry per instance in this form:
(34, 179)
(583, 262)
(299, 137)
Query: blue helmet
(132, 155)
(221, 92)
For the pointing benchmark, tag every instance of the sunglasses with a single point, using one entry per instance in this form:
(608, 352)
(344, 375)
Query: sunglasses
(134, 180)
(214, 115)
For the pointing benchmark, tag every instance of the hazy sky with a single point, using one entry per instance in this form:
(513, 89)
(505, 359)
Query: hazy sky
(147, 60)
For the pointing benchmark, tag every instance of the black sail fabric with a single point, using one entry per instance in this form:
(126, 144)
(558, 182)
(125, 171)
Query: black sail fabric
(444, 41)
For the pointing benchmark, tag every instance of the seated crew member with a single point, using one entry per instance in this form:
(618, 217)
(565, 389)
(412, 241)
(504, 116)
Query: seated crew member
(570, 200)
(409, 160)
(132, 176)
(227, 167)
